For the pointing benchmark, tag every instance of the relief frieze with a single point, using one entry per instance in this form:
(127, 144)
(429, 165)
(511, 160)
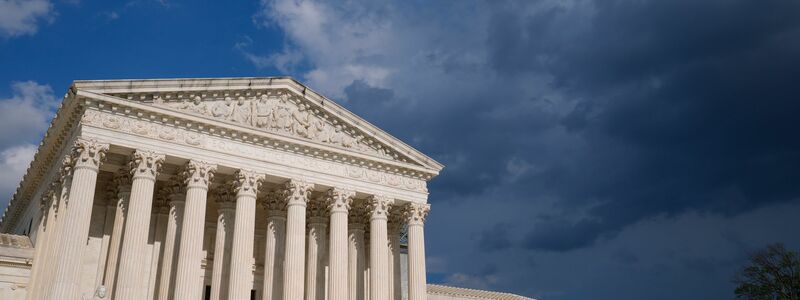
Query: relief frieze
(172, 134)
(281, 112)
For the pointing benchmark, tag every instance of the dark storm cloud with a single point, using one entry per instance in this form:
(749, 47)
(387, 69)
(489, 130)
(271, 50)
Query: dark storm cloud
(702, 93)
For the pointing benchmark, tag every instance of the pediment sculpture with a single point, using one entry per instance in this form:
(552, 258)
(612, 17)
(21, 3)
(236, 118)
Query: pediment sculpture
(279, 112)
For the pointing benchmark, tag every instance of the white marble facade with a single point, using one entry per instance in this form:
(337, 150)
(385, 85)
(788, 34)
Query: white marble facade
(235, 188)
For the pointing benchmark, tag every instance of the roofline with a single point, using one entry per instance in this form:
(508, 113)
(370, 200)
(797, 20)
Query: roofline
(167, 84)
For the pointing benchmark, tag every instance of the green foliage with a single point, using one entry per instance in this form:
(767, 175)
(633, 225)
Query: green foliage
(773, 273)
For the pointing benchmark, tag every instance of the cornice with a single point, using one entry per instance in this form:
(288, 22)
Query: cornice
(45, 161)
(150, 86)
(202, 125)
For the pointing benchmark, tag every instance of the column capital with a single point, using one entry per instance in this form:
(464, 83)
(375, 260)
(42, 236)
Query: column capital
(297, 191)
(146, 164)
(339, 199)
(246, 182)
(378, 207)
(415, 213)
(274, 203)
(198, 174)
(176, 191)
(357, 216)
(161, 201)
(317, 211)
(396, 219)
(66, 170)
(88, 153)
(225, 197)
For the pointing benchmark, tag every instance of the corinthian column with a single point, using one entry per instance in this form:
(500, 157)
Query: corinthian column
(172, 240)
(338, 201)
(161, 209)
(197, 175)
(121, 189)
(145, 165)
(379, 249)
(395, 227)
(59, 210)
(223, 243)
(246, 184)
(44, 239)
(296, 192)
(356, 254)
(87, 156)
(317, 243)
(275, 245)
(415, 216)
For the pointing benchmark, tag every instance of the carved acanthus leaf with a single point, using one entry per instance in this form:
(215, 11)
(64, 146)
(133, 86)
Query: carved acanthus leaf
(198, 173)
(415, 213)
(274, 202)
(378, 206)
(317, 210)
(297, 191)
(246, 181)
(339, 199)
(358, 215)
(396, 219)
(88, 153)
(146, 163)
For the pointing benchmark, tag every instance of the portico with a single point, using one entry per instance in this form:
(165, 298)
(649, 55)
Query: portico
(220, 188)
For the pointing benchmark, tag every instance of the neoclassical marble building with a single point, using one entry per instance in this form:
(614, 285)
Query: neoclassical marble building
(233, 188)
(220, 188)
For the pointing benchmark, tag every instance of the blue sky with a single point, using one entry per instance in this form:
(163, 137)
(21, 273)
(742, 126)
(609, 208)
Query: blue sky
(594, 149)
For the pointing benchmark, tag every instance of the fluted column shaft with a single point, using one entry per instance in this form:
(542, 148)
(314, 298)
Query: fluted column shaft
(339, 202)
(60, 209)
(87, 155)
(171, 244)
(356, 261)
(395, 285)
(246, 184)
(144, 168)
(197, 175)
(315, 264)
(274, 252)
(379, 247)
(44, 236)
(294, 266)
(108, 228)
(123, 193)
(222, 251)
(417, 286)
(159, 244)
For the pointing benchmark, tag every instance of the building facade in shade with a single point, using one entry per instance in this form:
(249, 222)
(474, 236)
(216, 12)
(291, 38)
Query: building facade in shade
(232, 188)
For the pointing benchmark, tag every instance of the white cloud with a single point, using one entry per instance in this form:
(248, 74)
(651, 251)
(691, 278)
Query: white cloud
(23, 119)
(25, 115)
(14, 162)
(21, 17)
(339, 40)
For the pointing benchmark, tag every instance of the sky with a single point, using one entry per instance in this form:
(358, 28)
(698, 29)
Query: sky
(608, 149)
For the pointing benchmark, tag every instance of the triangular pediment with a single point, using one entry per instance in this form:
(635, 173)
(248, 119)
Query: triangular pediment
(279, 106)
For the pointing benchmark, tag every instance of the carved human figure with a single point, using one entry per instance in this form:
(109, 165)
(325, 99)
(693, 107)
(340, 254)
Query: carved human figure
(222, 109)
(300, 120)
(264, 109)
(348, 141)
(337, 136)
(315, 127)
(241, 111)
(196, 105)
(283, 117)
